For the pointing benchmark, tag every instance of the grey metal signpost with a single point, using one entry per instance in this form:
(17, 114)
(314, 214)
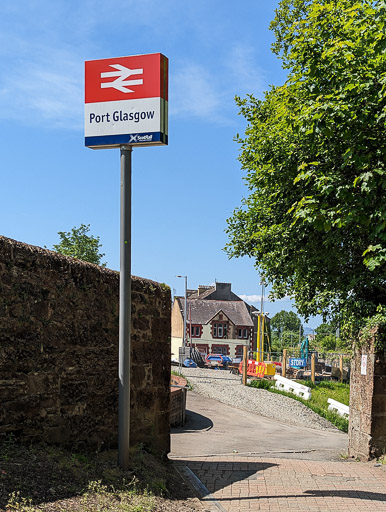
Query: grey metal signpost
(125, 310)
(120, 112)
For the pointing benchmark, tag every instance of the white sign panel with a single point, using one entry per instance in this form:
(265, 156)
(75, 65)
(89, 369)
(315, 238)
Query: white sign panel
(126, 101)
(364, 365)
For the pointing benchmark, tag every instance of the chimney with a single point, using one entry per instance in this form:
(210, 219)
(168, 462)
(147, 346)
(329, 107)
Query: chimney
(201, 289)
(223, 291)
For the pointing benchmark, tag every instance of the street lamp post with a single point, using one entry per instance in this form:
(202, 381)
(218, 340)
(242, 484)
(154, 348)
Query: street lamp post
(185, 312)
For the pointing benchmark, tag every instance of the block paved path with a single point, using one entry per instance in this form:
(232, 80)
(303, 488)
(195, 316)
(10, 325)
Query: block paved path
(248, 483)
(276, 468)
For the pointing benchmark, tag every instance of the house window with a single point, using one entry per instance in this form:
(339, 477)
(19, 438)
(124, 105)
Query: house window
(242, 333)
(239, 350)
(203, 349)
(219, 349)
(195, 331)
(220, 330)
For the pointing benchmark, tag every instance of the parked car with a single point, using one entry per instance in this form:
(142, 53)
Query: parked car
(217, 361)
(189, 363)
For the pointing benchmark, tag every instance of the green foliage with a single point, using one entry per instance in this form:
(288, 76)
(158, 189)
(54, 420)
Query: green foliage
(321, 391)
(325, 329)
(314, 155)
(375, 328)
(100, 497)
(286, 321)
(17, 503)
(77, 243)
(286, 339)
(52, 478)
(285, 330)
(325, 389)
(326, 342)
(262, 384)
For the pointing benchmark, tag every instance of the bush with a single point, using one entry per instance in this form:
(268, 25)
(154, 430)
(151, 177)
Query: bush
(262, 384)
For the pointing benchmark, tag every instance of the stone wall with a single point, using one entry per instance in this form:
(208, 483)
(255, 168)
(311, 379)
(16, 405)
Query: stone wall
(59, 351)
(367, 425)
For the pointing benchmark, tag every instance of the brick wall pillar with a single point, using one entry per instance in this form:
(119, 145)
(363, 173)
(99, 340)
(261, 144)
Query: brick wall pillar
(367, 426)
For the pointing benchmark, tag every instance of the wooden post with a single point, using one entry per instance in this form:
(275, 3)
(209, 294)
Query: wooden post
(313, 368)
(284, 363)
(244, 366)
(341, 368)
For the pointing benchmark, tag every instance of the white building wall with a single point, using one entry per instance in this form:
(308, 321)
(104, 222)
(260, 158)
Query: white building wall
(206, 339)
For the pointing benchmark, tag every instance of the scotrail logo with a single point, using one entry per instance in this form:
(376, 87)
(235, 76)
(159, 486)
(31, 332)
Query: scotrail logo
(140, 138)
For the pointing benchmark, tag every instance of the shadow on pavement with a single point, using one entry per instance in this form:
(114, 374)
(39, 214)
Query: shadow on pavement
(349, 494)
(193, 422)
(207, 477)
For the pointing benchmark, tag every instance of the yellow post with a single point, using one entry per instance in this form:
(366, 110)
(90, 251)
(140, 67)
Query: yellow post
(313, 368)
(258, 340)
(244, 365)
(284, 363)
(341, 368)
(262, 338)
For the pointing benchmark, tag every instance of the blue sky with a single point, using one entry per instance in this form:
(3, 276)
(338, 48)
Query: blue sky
(182, 193)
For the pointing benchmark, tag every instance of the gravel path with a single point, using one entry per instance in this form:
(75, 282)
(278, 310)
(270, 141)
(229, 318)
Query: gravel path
(221, 385)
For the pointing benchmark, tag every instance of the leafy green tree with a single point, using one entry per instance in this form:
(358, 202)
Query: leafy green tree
(326, 343)
(326, 338)
(325, 329)
(343, 345)
(77, 243)
(286, 321)
(314, 153)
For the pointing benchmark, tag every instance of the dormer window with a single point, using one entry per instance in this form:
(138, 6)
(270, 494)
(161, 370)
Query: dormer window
(220, 329)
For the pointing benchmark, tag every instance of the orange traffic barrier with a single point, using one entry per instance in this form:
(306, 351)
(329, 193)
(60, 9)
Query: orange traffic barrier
(254, 369)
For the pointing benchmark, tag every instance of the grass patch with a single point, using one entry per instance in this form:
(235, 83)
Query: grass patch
(321, 391)
(43, 478)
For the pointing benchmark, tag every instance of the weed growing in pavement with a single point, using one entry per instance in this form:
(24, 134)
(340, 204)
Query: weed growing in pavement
(17, 503)
(100, 497)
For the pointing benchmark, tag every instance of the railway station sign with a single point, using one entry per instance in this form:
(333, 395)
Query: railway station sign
(126, 101)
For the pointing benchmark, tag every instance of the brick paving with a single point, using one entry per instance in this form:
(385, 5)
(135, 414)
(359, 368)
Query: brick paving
(248, 483)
